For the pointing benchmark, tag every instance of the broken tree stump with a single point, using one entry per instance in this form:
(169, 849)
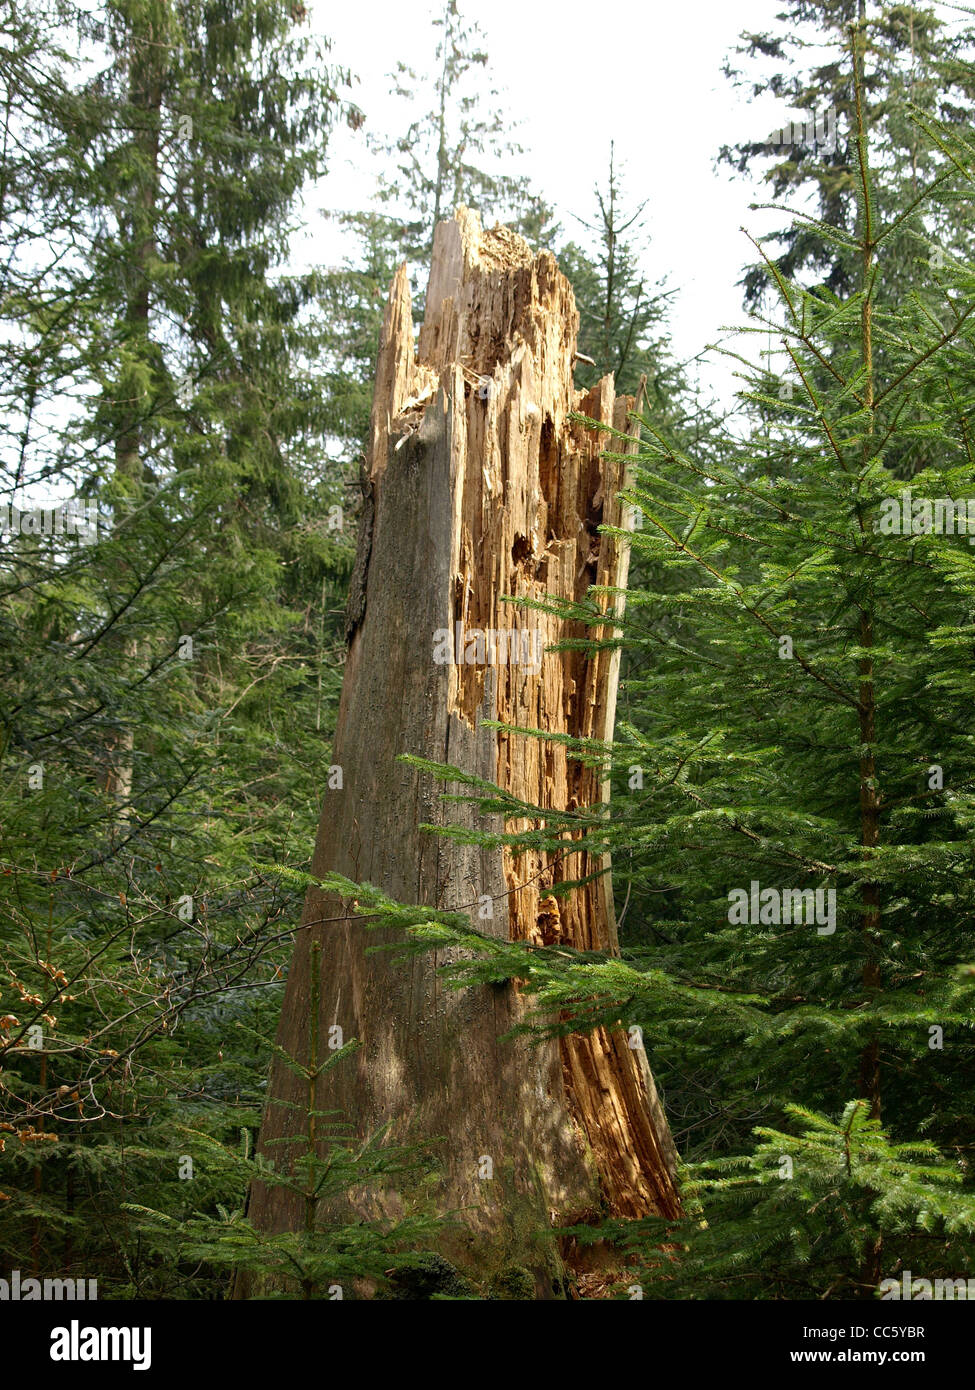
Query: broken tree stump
(479, 486)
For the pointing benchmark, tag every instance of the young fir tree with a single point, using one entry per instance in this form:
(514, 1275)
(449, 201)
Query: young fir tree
(622, 316)
(915, 66)
(914, 62)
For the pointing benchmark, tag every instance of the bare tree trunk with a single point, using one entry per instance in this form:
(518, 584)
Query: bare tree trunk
(481, 487)
(138, 227)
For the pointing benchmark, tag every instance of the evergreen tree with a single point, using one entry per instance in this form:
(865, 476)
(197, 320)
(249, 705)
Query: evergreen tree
(913, 63)
(915, 71)
(454, 150)
(165, 371)
(322, 1261)
(623, 316)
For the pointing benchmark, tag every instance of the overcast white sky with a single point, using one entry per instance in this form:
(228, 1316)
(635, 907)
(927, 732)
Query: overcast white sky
(576, 76)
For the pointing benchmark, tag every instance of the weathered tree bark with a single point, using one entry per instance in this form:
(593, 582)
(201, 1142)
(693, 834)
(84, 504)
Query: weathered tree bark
(481, 487)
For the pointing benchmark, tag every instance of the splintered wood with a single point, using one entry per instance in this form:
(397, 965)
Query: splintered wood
(482, 489)
(529, 490)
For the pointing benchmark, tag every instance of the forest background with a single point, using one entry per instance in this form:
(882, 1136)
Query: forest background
(171, 667)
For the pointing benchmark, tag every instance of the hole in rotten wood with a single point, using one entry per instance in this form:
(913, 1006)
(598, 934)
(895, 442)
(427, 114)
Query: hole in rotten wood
(521, 549)
(460, 588)
(548, 460)
(549, 921)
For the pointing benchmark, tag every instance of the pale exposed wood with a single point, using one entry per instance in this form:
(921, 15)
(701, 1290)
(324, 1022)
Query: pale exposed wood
(483, 488)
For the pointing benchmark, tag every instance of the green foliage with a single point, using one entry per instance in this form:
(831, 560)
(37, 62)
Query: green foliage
(165, 370)
(622, 317)
(795, 711)
(916, 75)
(454, 149)
(806, 1214)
